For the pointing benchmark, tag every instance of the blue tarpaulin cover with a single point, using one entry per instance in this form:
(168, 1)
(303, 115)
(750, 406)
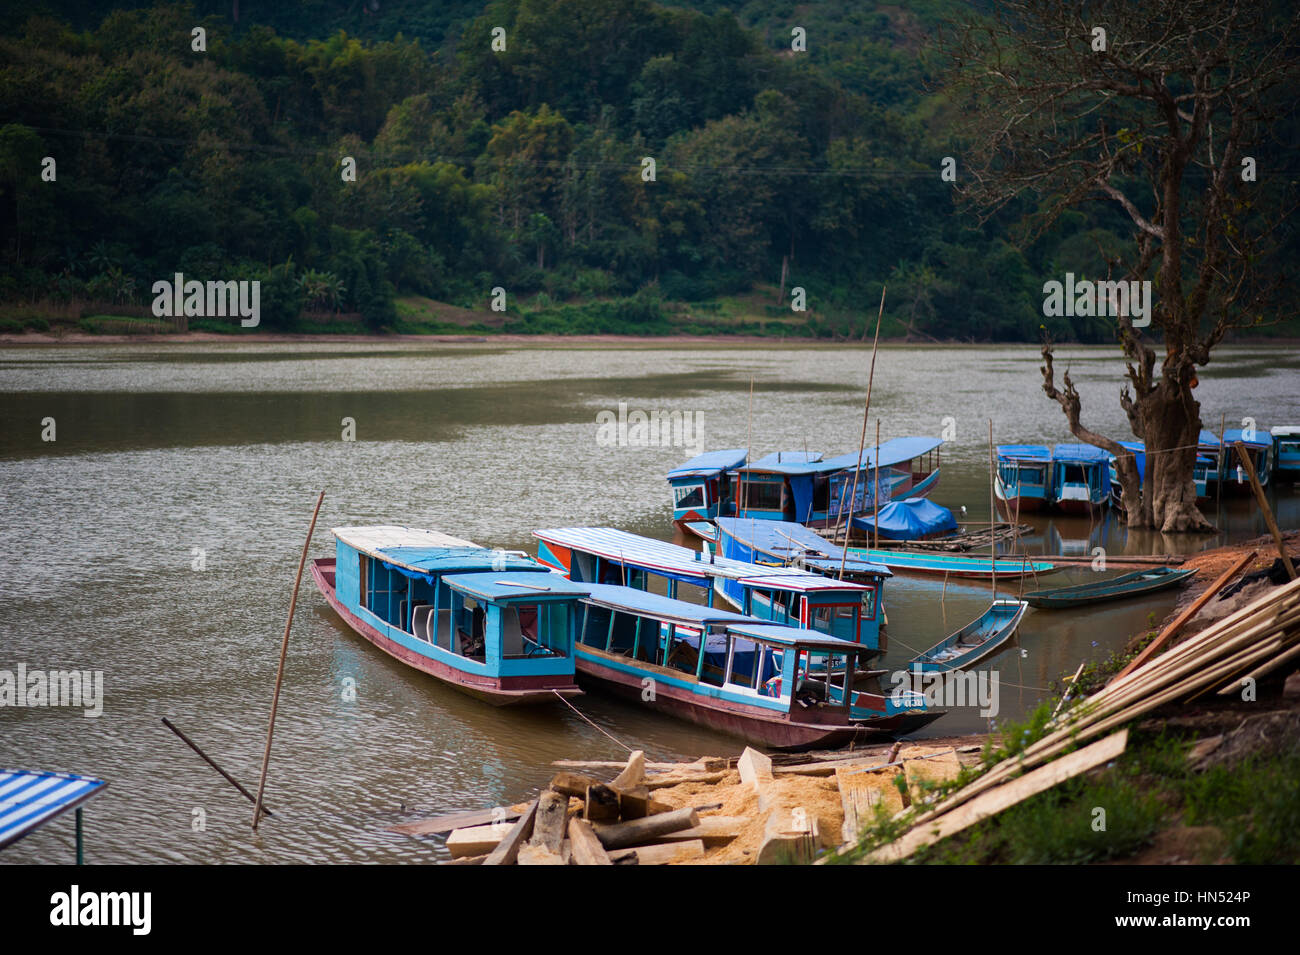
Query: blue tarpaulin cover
(1023, 452)
(709, 463)
(910, 519)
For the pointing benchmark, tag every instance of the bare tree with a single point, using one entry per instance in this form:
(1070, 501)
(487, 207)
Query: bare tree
(1163, 108)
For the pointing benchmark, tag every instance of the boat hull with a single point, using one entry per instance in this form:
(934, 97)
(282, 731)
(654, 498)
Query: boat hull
(755, 724)
(1136, 584)
(498, 691)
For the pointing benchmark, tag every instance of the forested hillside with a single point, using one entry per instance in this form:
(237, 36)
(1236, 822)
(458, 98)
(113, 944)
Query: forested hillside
(520, 169)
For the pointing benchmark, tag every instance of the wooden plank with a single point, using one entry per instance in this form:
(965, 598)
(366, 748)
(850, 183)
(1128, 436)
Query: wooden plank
(633, 773)
(787, 844)
(703, 764)
(860, 793)
(712, 830)
(663, 853)
(437, 825)
(601, 804)
(996, 800)
(587, 849)
(663, 782)
(1156, 645)
(548, 829)
(1262, 501)
(755, 768)
(476, 840)
(507, 850)
(573, 784)
(621, 835)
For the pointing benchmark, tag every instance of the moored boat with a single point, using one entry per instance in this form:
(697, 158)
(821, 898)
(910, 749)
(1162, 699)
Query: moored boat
(702, 487)
(778, 686)
(976, 641)
(494, 624)
(1080, 482)
(1286, 452)
(954, 565)
(1259, 449)
(1139, 583)
(1023, 478)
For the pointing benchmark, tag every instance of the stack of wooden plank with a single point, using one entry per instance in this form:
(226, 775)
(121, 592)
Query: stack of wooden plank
(1225, 658)
(581, 820)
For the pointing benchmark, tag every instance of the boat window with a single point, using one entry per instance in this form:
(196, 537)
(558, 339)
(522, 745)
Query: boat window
(595, 626)
(689, 496)
(624, 634)
(821, 493)
(744, 662)
(364, 577)
(762, 495)
(869, 603)
(769, 674)
(471, 626)
(715, 659)
(535, 630)
(1073, 474)
(683, 650)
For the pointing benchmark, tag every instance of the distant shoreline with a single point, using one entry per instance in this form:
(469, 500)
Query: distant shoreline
(42, 339)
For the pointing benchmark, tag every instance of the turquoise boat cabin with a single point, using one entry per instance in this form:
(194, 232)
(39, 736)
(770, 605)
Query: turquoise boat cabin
(784, 687)
(1080, 478)
(1023, 480)
(1259, 449)
(1286, 452)
(1200, 473)
(494, 624)
(702, 487)
(607, 555)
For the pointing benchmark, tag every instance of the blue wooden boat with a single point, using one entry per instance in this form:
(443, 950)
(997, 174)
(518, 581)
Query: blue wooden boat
(1208, 446)
(912, 519)
(771, 591)
(777, 686)
(806, 488)
(1023, 480)
(1137, 584)
(953, 565)
(1080, 478)
(1286, 453)
(976, 641)
(702, 487)
(1259, 448)
(493, 624)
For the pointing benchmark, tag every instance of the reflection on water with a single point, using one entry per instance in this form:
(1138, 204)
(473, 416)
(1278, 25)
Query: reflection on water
(167, 460)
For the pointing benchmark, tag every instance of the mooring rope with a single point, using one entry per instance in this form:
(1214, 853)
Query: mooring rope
(560, 696)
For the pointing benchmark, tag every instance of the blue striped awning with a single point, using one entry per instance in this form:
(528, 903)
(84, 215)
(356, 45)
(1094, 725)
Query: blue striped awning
(29, 800)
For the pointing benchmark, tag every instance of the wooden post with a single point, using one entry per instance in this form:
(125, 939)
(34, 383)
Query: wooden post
(862, 442)
(207, 759)
(279, 674)
(1181, 621)
(1263, 506)
(875, 492)
(81, 848)
(993, 514)
(1221, 464)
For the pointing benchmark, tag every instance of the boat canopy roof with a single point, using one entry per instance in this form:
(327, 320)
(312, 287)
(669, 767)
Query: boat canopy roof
(1261, 438)
(709, 463)
(660, 557)
(1208, 439)
(1024, 452)
(800, 585)
(789, 540)
(426, 561)
(525, 586)
(910, 519)
(1079, 454)
(789, 636)
(1286, 431)
(891, 452)
(28, 800)
(788, 462)
(644, 603)
(369, 540)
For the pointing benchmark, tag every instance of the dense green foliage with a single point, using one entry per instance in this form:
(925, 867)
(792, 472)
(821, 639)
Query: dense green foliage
(519, 169)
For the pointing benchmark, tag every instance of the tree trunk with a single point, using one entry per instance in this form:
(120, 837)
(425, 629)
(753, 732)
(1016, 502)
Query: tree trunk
(1169, 421)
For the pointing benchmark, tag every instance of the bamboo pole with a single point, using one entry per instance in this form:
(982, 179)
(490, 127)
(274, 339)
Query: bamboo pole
(862, 442)
(279, 674)
(993, 541)
(749, 450)
(208, 759)
(875, 491)
(1262, 501)
(1066, 692)
(1177, 625)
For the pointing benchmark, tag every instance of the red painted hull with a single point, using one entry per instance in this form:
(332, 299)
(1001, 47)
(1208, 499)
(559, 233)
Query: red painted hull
(499, 691)
(752, 723)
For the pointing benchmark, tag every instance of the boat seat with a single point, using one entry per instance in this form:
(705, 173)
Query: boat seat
(420, 621)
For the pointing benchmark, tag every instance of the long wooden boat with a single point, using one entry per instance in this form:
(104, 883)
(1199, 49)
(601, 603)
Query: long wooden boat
(976, 641)
(702, 487)
(493, 624)
(777, 686)
(1259, 450)
(954, 565)
(1286, 452)
(1136, 584)
(782, 594)
(1080, 478)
